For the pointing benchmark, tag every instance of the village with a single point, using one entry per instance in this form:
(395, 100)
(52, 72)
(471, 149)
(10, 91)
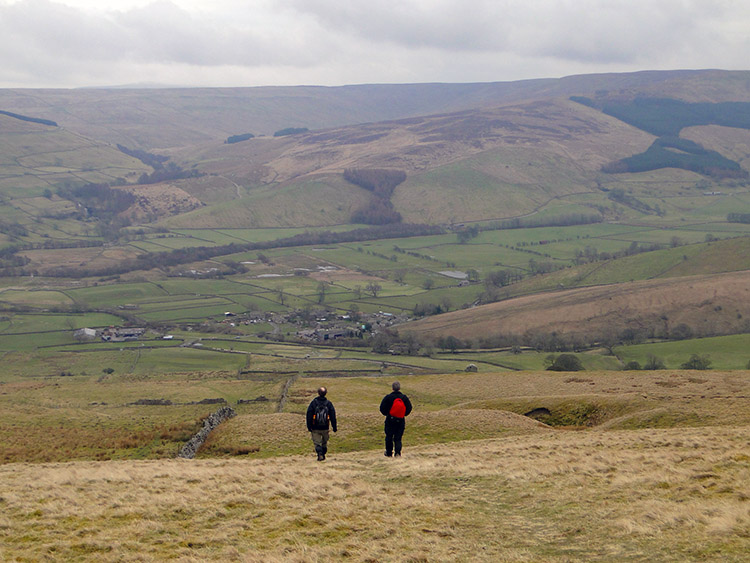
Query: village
(309, 326)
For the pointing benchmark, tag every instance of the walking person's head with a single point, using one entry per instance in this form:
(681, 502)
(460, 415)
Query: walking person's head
(396, 386)
(322, 391)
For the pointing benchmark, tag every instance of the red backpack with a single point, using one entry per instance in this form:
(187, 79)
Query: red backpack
(398, 408)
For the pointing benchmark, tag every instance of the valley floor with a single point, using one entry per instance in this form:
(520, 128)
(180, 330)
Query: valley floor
(679, 494)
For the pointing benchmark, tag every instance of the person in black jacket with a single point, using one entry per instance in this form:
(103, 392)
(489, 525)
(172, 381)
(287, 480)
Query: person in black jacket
(320, 417)
(395, 407)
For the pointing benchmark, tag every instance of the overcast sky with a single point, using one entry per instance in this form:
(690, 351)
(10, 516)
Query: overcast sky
(73, 43)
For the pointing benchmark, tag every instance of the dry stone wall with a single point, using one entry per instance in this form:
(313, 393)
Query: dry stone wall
(193, 445)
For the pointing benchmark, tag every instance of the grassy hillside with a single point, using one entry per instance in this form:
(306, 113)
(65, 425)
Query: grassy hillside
(714, 304)
(548, 497)
(655, 468)
(476, 165)
(488, 164)
(37, 157)
(314, 201)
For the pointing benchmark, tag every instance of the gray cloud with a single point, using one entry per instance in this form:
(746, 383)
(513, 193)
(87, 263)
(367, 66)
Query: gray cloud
(250, 42)
(440, 24)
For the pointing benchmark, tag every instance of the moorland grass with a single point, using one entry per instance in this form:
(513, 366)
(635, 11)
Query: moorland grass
(79, 417)
(683, 398)
(661, 495)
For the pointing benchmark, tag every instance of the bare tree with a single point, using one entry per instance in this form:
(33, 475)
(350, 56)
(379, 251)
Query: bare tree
(373, 288)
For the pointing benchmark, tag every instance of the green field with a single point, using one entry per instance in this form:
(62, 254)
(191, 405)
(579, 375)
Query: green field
(724, 352)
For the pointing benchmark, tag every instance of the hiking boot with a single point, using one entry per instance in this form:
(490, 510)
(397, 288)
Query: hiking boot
(321, 457)
(388, 454)
(396, 455)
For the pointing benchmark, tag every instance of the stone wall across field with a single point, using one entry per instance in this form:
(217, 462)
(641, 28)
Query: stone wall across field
(193, 445)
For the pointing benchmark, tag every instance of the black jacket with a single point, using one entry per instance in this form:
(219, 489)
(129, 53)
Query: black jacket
(314, 407)
(387, 403)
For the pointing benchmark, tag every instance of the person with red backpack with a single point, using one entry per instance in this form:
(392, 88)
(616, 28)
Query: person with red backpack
(320, 417)
(395, 407)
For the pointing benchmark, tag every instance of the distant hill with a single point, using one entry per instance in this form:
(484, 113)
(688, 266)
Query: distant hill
(472, 165)
(151, 118)
(469, 152)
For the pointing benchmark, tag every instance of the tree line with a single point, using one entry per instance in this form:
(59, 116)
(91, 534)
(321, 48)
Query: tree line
(738, 218)
(381, 183)
(667, 116)
(30, 119)
(238, 138)
(181, 256)
(673, 152)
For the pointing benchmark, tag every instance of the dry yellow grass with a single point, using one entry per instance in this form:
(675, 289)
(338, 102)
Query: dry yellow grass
(647, 495)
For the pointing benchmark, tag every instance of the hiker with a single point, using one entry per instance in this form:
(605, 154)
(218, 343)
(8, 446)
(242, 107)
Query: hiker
(320, 417)
(395, 407)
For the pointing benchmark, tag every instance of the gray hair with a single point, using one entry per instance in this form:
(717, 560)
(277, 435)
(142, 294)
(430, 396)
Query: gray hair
(396, 386)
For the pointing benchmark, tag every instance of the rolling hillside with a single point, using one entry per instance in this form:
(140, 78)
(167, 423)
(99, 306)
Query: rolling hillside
(35, 157)
(158, 119)
(470, 155)
(471, 152)
(655, 467)
(715, 304)
(467, 166)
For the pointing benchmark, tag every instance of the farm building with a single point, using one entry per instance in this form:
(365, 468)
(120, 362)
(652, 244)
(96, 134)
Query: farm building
(85, 333)
(114, 334)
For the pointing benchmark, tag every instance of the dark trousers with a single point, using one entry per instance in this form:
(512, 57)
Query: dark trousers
(394, 431)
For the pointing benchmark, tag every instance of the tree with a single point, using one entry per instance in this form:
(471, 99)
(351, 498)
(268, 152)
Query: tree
(681, 332)
(697, 361)
(373, 288)
(449, 343)
(632, 365)
(566, 362)
(428, 283)
(609, 340)
(382, 341)
(632, 336)
(652, 363)
(465, 235)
